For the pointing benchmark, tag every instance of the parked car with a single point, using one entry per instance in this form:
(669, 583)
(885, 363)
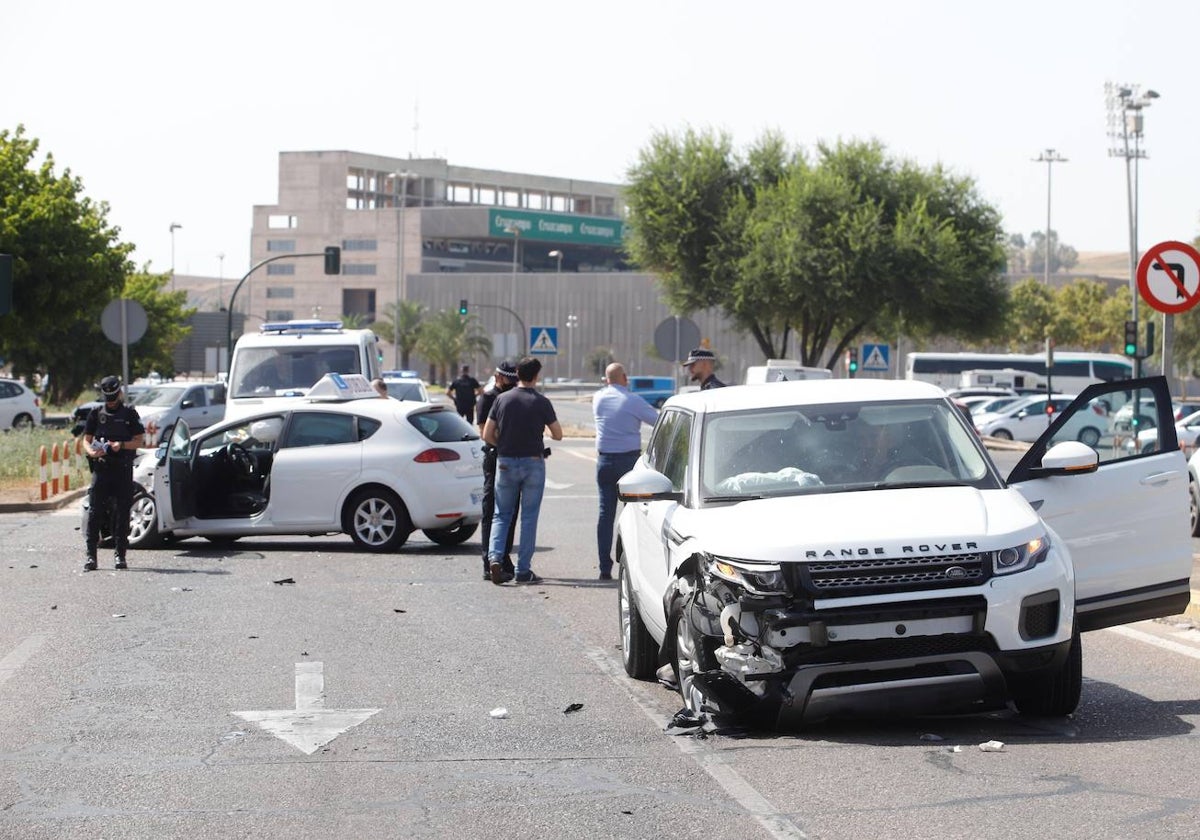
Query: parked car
(848, 547)
(1121, 420)
(163, 404)
(20, 408)
(992, 405)
(339, 460)
(655, 390)
(1187, 432)
(1184, 410)
(1027, 419)
(406, 385)
(981, 391)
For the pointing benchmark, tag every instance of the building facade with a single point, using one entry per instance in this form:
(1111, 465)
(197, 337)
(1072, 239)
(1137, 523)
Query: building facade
(524, 251)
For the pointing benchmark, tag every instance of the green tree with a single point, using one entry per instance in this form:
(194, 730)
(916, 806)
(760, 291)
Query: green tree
(68, 264)
(354, 321)
(447, 338)
(598, 359)
(852, 244)
(1062, 257)
(1030, 315)
(402, 327)
(1082, 318)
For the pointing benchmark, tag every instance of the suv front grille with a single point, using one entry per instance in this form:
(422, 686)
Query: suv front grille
(885, 575)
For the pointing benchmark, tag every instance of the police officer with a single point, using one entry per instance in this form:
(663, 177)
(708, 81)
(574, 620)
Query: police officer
(506, 378)
(700, 364)
(111, 436)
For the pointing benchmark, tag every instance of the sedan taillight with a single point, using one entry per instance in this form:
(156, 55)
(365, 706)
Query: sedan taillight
(436, 455)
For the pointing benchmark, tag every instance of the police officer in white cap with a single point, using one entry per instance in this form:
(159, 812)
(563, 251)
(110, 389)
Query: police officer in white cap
(700, 363)
(110, 439)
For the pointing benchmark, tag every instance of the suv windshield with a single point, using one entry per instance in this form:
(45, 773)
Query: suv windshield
(844, 446)
(163, 396)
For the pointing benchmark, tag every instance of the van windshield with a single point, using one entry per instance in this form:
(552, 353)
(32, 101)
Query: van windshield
(288, 371)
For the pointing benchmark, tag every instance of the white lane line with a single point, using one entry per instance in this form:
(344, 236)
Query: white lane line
(758, 806)
(581, 453)
(21, 655)
(1165, 644)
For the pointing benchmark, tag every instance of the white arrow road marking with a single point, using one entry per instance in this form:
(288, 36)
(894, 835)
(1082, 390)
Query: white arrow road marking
(310, 726)
(27, 648)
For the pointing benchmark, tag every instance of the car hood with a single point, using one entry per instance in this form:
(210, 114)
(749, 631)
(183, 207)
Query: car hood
(877, 523)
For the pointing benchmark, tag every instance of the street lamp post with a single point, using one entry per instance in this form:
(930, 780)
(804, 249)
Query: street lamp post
(572, 323)
(1048, 157)
(400, 290)
(558, 255)
(220, 279)
(1125, 104)
(174, 227)
(516, 235)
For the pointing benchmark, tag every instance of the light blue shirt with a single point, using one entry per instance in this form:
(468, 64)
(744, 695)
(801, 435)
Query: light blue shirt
(619, 415)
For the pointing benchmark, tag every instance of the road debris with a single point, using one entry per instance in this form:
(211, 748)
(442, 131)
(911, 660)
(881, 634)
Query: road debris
(992, 746)
(499, 713)
(574, 707)
(282, 582)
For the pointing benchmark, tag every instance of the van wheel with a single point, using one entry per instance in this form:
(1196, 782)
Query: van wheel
(376, 520)
(1054, 693)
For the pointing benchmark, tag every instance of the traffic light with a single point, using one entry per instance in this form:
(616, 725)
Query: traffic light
(852, 361)
(1131, 338)
(1148, 350)
(462, 307)
(333, 259)
(6, 283)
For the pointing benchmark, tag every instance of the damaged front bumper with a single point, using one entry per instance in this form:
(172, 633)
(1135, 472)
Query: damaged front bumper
(782, 654)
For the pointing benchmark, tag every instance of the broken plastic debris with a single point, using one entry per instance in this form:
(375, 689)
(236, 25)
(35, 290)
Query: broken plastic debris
(929, 736)
(666, 676)
(955, 749)
(574, 707)
(499, 713)
(282, 582)
(399, 611)
(992, 746)
(118, 615)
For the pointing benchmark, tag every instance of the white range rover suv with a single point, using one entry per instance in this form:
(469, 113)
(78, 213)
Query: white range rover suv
(842, 547)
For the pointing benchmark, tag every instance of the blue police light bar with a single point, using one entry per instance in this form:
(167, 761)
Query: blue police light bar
(308, 324)
(401, 374)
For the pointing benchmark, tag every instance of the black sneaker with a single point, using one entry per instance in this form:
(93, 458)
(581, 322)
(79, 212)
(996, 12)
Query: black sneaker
(530, 577)
(498, 575)
(120, 564)
(606, 576)
(89, 565)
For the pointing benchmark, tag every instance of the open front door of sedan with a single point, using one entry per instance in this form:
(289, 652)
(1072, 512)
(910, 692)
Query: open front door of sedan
(174, 491)
(1124, 517)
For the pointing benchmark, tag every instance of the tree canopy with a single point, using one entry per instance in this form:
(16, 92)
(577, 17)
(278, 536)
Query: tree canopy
(851, 243)
(68, 264)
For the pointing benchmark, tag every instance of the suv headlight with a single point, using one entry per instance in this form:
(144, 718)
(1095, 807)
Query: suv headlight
(756, 578)
(1020, 557)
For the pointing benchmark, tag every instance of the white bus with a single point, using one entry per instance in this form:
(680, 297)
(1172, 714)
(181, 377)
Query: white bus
(1072, 372)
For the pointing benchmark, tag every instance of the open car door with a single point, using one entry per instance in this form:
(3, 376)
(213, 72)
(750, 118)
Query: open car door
(1125, 522)
(174, 490)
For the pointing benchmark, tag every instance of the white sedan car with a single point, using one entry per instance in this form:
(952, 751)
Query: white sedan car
(340, 460)
(847, 547)
(20, 408)
(1027, 420)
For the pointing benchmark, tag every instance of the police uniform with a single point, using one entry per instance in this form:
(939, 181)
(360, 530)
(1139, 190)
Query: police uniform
(483, 407)
(111, 492)
(703, 354)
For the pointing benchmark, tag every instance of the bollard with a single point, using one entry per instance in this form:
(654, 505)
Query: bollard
(68, 465)
(42, 470)
(54, 470)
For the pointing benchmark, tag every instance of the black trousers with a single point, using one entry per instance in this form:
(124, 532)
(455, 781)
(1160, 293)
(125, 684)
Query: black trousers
(489, 510)
(109, 500)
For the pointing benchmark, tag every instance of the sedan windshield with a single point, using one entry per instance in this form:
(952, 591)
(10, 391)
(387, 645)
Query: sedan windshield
(845, 446)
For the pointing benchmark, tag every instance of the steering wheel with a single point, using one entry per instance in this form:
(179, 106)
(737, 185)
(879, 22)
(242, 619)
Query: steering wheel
(242, 461)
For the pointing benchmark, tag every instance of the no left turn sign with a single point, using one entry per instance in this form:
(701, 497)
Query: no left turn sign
(1168, 277)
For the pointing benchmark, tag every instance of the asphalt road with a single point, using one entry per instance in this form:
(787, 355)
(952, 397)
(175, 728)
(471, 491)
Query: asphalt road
(120, 694)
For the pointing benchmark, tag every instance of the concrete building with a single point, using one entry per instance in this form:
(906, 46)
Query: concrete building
(524, 251)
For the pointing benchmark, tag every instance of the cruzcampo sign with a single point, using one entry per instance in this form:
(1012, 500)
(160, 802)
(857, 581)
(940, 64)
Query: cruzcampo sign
(556, 227)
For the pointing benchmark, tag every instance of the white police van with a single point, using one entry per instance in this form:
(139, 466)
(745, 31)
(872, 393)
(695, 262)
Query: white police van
(286, 358)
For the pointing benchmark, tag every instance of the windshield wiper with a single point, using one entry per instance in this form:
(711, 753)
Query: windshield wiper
(738, 498)
(908, 485)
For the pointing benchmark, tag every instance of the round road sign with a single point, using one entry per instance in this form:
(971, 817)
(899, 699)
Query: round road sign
(135, 321)
(1168, 277)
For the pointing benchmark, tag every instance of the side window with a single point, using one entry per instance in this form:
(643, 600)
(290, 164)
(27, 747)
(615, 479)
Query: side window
(1118, 421)
(367, 426)
(314, 428)
(675, 467)
(660, 440)
(196, 395)
(7, 390)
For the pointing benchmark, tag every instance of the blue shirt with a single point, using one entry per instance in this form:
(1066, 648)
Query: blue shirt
(619, 415)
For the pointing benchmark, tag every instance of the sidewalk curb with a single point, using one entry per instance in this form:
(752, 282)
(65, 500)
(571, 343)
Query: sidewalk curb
(61, 500)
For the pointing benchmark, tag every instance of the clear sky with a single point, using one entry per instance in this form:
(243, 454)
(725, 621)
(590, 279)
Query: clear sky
(176, 112)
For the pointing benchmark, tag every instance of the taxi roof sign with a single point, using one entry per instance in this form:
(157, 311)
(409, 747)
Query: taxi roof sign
(342, 386)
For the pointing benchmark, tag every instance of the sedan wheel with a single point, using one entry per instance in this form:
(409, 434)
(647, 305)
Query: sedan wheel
(1002, 434)
(377, 521)
(1089, 437)
(451, 536)
(143, 521)
(23, 421)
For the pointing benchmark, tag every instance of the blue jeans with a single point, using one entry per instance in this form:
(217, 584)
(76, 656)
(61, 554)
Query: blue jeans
(609, 468)
(522, 479)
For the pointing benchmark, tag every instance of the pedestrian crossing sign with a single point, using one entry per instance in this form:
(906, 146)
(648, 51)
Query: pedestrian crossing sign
(543, 341)
(875, 357)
